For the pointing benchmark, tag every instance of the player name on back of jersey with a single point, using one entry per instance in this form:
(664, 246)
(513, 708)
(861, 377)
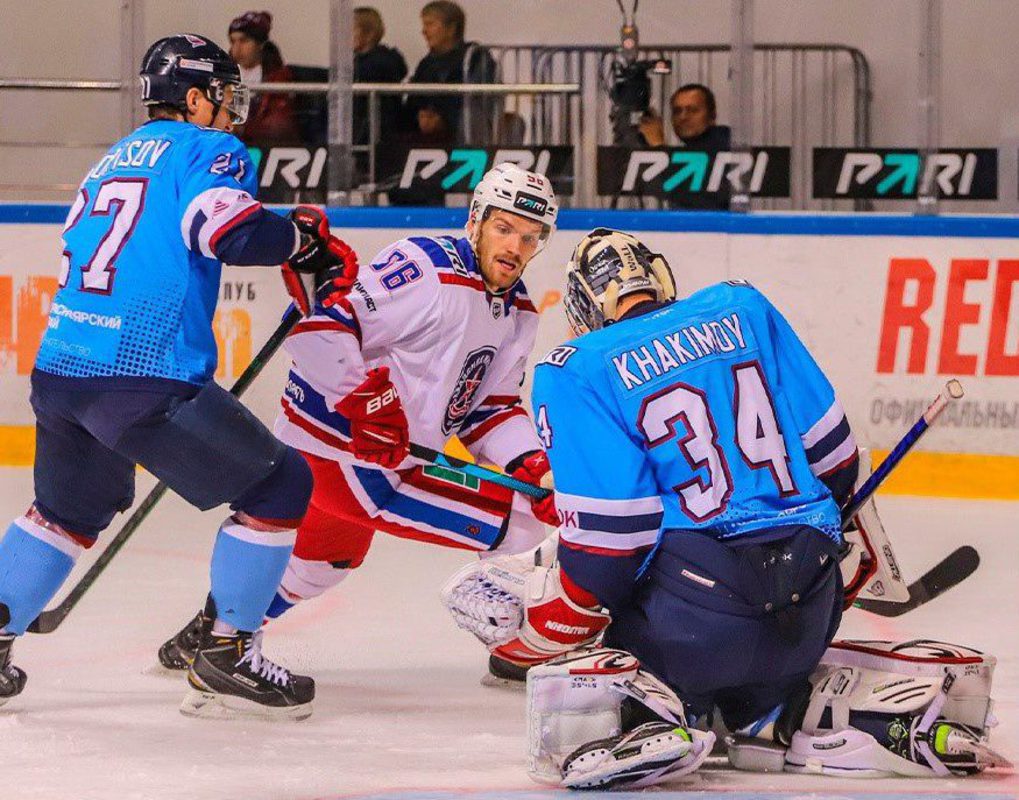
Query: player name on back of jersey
(135, 154)
(690, 343)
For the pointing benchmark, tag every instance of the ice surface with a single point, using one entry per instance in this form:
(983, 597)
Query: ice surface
(400, 713)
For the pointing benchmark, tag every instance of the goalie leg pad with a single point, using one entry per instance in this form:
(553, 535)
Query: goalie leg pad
(919, 708)
(578, 724)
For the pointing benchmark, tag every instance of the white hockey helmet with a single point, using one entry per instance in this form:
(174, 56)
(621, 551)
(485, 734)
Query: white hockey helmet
(508, 187)
(606, 266)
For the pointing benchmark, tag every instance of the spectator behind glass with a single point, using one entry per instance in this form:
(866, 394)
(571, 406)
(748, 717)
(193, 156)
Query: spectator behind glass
(442, 25)
(375, 63)
(693, 121)
(272, 118)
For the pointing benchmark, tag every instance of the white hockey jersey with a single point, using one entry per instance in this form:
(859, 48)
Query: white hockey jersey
(456, 355)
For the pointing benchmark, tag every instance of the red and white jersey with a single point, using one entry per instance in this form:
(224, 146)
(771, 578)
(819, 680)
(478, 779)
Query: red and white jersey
(456, 354)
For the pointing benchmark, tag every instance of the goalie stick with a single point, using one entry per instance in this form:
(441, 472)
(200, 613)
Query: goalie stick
(957, 565)
(49, 620)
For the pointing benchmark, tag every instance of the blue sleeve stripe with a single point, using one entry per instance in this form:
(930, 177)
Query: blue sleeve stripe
(438, 256)
(262, 238)
(829, 442)
(196, 226)
(314, 405)
(637, 523)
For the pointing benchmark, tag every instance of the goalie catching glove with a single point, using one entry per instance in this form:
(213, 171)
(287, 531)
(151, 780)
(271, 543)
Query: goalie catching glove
(520, 613)
(323, 268)
(378, 425)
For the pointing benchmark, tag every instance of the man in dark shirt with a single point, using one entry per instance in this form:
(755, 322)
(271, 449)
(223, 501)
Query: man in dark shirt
(375, 63)
(693, 121)
(442, 24)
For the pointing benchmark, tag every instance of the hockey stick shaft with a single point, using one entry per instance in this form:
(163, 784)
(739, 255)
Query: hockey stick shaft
(952, 391)
(469, 468)
(48, 621)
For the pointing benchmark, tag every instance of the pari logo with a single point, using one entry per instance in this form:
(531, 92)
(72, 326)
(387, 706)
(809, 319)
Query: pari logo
(901, 174)
(528, 202)
(463, 168)
(695, 171)
(293, 167)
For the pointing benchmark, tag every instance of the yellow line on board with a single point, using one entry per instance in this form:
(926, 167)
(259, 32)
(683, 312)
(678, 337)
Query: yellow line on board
(972, 475)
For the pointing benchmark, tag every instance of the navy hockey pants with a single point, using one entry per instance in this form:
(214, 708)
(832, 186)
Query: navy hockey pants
(199, 440)
(738, 625)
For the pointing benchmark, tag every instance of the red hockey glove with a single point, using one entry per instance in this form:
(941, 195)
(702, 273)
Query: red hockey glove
(536, 469)
(324, 268)
(378, 426)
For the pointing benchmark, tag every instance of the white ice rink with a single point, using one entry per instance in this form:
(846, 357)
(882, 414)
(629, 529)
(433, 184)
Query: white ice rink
(400, 713)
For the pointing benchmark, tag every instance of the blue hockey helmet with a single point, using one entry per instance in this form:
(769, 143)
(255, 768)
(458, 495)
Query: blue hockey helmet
(176, 63)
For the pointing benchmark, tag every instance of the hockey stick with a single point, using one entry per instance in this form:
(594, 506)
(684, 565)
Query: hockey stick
(957, 565)
(951, 570)
(49, 620)
(472, 469)
(953, 391)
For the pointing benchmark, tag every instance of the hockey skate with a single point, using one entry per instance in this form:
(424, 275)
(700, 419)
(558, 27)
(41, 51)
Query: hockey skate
(503, 674)
(178, 652)
(229, 678)
(641, 757)
(12, 678)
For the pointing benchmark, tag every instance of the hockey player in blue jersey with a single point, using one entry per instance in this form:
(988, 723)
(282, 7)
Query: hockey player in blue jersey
(700, 459)
(124, 373)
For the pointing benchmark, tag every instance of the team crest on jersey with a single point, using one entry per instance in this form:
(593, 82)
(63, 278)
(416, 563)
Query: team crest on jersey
(498, 307)
(466, 387)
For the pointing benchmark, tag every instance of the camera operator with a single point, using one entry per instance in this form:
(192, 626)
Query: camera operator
(693, 121)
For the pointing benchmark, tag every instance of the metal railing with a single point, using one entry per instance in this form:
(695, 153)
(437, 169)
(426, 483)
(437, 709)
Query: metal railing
(808, 95)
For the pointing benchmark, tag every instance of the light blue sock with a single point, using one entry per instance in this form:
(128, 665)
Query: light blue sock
(34, 562)
(247, 566)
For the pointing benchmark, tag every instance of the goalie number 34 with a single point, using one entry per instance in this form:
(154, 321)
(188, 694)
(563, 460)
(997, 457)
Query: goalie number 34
(680, 412)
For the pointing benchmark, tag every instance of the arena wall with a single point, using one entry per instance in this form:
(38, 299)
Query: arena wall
(891, 307)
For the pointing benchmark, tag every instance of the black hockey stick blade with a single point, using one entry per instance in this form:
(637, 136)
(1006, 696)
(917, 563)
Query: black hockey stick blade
(49, 620)
(952, 570)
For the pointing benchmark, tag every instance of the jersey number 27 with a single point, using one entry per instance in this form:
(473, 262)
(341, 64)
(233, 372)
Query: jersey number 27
(121, 199)
(758, 438)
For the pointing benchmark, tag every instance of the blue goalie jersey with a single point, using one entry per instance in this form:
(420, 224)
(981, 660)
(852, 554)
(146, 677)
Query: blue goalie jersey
(140, 266)
(707, 414)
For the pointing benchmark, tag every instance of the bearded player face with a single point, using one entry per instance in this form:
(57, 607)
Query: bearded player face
(506, 242)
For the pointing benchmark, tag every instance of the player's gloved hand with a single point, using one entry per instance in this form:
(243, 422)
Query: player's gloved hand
(378, 426)
(534, 468)
(520, 612)
(324, 268)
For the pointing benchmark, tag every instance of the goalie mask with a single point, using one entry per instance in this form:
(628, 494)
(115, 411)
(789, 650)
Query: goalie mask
(607, 266)
(507, 187)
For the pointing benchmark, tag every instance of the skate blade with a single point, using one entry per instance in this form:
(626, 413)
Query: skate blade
(211, 705)
(494, 682)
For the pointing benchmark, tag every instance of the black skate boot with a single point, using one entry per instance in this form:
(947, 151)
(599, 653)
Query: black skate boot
(179, 651)
(504, 674)
(229, 677)
(12, 679)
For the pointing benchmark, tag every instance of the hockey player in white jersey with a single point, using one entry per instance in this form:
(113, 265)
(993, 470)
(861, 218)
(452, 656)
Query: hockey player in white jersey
(432, 345)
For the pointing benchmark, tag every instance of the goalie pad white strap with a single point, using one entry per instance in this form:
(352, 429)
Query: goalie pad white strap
(570, 702)
(576, 700)
(922, 680)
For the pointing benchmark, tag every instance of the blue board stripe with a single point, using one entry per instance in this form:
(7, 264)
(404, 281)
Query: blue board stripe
(452, 219)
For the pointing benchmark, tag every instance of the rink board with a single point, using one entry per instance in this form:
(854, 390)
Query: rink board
(891, 306)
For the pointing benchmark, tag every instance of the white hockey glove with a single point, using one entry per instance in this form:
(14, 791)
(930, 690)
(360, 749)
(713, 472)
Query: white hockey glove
(520, 612)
